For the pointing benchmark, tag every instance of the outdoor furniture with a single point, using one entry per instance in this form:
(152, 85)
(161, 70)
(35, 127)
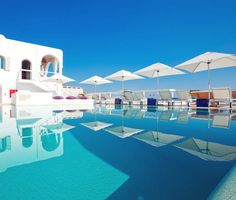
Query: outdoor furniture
(222, 96)
(201, 94)
(184, 96)
(202, 97)
(83, 97)
(134, 98)
(71, 97)
(202, 103)
(166, 97)
(233, 103)
(118, 101)
(58, 97)
(106, 98)
(140, 98)
(151, 102)
(127, 97)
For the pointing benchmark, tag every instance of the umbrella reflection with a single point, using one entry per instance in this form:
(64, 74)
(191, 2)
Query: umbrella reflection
(208, 151)
(157, 139)
(96, 125)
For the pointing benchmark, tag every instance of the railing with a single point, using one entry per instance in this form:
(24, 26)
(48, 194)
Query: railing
(149, 93)
(19, 75)
(40, 74)
(72, 87)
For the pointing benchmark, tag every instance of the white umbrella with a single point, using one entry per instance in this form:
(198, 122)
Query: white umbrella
(157, 70)
(96, 125)
(95, 80)
(58, 78)
(208, 61)
(122, 76)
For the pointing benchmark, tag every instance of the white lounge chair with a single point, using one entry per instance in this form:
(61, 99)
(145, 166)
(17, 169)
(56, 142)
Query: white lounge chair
(127, 97)
(222, 96)
(184, 96)
(139, 98)
(166, 97)
(106, 98)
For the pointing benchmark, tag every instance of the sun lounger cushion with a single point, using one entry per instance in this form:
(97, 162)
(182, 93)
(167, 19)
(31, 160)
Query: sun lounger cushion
(83, 97)
(71, 97)
(58, 97)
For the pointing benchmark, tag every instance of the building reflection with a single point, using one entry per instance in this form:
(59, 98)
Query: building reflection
(30, 135)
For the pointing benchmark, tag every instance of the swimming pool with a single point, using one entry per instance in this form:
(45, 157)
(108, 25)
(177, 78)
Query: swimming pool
(117, 153)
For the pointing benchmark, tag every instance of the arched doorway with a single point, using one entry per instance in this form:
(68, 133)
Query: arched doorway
(26, 70)
(49, 61)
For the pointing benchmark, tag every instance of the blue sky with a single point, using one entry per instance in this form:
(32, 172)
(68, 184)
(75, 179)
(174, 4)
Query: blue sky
(101, 37)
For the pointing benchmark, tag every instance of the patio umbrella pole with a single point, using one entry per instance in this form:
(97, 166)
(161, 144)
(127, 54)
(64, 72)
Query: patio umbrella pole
(209, 84)
(158, 82)
(122, 90)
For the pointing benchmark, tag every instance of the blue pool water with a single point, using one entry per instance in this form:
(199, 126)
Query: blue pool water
(117, 153)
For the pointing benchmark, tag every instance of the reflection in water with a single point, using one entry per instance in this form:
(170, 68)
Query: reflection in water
(96, 125)
(209, 151)
(30, 136)
(157, 139)
(27, 137)
(5, 144)
(123, 131)
(50, 141)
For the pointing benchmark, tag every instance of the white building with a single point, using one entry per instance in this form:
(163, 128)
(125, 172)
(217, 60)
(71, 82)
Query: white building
(24, 67)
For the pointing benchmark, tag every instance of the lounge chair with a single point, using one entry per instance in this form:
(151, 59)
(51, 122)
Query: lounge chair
(221, 97)
(106, 98)
(166, 97)
(184, 96)
(127, 97)
(139, 98)
(233, 102)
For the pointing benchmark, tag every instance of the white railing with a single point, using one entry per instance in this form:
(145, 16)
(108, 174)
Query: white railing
(40, 74)
(19, 75)
(148, 93)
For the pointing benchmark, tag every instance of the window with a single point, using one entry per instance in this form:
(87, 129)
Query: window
(26, 70)
(2, 62)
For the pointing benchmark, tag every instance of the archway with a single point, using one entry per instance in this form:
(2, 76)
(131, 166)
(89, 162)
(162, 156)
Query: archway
(49, 61)
(26, 70)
